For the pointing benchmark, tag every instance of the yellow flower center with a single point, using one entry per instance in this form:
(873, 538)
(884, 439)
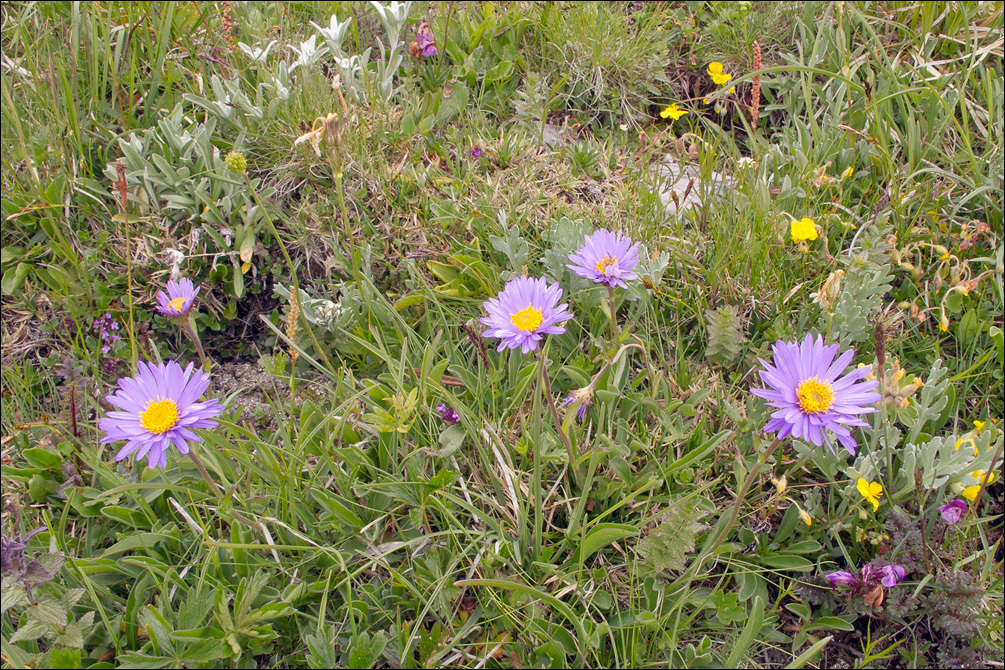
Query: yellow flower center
(815, 396)
(177, 303)
(159, 416)
(527, 319)
(603, 265)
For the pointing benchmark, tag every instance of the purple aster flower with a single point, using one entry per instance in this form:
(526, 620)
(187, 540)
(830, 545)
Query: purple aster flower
(842, 577)
(447, 413)
(954, 511)
(475, 151)
(179, 299)
(159, 409)
(606, 258)
(808, 396)
(892, 575)
(523, 312)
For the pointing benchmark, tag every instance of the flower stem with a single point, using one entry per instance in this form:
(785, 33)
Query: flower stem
(289, 263)
(205, 475)
(546, 381)
(614, 317)
(740, 497)
(188, 327)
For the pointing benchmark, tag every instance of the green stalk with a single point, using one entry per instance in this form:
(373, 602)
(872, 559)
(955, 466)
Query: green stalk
(545, 380)
(289, 264)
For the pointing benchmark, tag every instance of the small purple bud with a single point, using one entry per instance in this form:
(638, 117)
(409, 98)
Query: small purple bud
(842, 577)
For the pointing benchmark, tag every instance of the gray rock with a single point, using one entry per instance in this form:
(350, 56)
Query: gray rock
(681, 187)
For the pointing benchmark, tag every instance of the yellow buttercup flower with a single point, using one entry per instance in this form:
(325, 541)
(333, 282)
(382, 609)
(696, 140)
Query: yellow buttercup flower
(673, 112)
(804, 229)
(717, 75)
(970, 492)
(871, 491)
(966, 440)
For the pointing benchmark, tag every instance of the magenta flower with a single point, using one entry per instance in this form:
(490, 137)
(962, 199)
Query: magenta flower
(523, 312)
(447, 414)
(606, 258)
(892, 575)
(180, 297)
(868, 577)
(953, 512)
(159, 409)
(424, 39)
(808, 396)
(842, 577)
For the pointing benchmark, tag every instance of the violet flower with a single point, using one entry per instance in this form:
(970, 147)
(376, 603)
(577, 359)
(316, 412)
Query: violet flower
(447, 414)
(524, 312)
(954, 511)
(808, 397)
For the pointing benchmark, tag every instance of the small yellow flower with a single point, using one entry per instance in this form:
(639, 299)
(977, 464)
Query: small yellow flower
(871, 491)
(978, 426)
(944, 324)
(673, 111)
(970, 492)
(966, 440)
(804, 229)
(804, 516)
(732, 89)
(705, 101)
(717, 75)
(848, 173)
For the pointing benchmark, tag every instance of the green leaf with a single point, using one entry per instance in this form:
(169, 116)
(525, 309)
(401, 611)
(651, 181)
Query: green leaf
(998, 338)
(751, 630)
(363, 650)
(601, 535)
(809, 654)
(829, 623)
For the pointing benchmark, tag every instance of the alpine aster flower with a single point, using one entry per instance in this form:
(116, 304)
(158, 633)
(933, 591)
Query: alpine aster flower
(606, 258)
(159, 409)
(808, 396)
(954, 511)
(179, 299)
(523, 312)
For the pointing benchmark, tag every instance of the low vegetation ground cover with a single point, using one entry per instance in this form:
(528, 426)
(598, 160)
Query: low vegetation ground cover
(502, 334)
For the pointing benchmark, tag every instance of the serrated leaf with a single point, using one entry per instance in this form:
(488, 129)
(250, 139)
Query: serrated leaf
(48, 610)
(30, 631)
(666, 548)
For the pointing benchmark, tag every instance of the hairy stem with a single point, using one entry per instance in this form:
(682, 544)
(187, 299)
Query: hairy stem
(546, 380)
